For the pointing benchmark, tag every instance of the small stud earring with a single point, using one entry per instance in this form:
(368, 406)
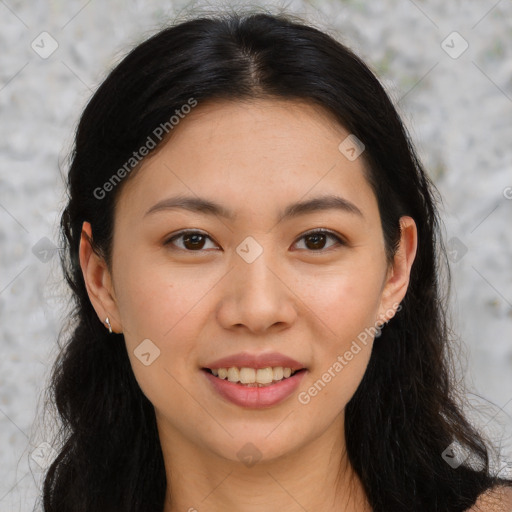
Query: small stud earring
(107, 321)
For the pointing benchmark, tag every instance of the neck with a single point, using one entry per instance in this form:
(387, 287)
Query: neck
(316, 476)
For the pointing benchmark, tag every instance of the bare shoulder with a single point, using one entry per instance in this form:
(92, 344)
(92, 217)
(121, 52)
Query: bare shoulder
(498, 499)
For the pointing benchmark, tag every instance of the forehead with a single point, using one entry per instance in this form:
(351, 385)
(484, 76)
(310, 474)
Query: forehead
(261, 150)
(278, 119)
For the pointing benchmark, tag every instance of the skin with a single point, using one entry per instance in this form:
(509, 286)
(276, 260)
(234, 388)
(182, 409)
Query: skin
(254, 158)
(498, 499)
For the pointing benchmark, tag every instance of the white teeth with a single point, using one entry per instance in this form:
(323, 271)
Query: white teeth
(264, 375)
(233, 374)
(278, 373)
(247, 375)
(260, 376)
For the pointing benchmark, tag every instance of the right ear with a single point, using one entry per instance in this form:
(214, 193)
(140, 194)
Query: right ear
(98, 280)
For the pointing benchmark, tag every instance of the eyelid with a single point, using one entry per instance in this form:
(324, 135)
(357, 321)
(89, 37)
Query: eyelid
(326, 231)
(169, 240)
(333, 234)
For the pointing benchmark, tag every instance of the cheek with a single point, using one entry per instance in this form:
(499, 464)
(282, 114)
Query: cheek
(160, 317)
(345, 300)
(167, 307)
(153, 299)
(345, 304)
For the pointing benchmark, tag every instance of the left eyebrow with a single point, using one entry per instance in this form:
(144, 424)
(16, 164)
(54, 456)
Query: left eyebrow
(205, 206)
(329, 202)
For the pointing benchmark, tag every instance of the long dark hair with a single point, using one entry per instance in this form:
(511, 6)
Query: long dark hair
(406, 410)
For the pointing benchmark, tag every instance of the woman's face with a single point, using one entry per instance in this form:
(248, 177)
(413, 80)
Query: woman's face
(250, 283)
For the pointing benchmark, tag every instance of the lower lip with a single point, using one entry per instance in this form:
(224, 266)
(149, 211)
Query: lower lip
(255, 397)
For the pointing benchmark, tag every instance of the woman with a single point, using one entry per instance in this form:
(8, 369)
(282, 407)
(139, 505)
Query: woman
(253, 251)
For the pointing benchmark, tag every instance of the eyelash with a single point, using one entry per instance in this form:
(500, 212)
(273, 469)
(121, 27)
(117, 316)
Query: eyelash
(331, 234)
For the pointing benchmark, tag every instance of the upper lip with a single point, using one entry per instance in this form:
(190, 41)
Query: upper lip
(246, 360)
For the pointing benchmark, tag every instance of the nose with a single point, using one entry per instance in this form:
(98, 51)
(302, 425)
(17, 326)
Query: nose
(256, 297)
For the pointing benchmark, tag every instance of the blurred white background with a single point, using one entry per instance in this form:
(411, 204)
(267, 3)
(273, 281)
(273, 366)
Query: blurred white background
(448, 69)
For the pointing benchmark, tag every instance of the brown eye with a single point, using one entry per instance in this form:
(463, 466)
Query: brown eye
(316, 240)
(191, 240)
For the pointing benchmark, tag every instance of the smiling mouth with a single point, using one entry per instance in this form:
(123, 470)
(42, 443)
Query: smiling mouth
(252, 377)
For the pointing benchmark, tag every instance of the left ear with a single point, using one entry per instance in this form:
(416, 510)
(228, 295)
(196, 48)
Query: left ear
(399, 273)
